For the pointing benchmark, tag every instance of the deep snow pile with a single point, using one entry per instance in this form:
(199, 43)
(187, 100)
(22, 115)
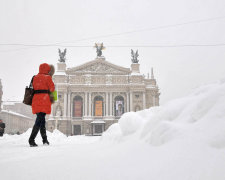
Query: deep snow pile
(182, 140)
(186, 136)
(197, 118)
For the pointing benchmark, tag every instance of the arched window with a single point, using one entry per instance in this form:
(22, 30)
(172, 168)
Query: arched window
(77, 106)
(118, 106)
(98, 106)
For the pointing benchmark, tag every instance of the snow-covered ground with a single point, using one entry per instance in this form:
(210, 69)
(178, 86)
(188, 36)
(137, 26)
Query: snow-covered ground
(182, 140)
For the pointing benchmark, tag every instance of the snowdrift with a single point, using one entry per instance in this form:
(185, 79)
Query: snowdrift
(185, 137)
(198, 118)
(182, 140)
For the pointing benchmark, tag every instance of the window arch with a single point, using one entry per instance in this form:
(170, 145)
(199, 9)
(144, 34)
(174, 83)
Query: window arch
(118, 105)
(77, 106)
(98, 106)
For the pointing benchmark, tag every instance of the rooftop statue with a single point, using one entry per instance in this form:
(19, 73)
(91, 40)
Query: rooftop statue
(62, 55)
(99, 47)
(134, 56)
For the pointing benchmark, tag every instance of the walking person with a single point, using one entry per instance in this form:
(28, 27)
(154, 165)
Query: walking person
(2, 127)
(41, 103)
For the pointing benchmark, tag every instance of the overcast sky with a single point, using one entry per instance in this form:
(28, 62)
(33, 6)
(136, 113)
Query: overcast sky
(75, 22)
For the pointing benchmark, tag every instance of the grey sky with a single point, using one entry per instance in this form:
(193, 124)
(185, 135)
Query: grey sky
(177, 70)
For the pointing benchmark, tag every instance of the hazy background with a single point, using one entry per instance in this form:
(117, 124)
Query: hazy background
(177, 69)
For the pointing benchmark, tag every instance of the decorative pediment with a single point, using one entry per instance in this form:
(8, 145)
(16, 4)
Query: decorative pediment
(98, 66)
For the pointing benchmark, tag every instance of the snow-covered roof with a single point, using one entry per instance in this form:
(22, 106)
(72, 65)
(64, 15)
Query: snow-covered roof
(15, 113)
(151, 86)
(97, 122)
(8, 102)
(136, 74)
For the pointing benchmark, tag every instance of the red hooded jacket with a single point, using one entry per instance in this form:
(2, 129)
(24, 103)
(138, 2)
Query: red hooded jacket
(42, 81)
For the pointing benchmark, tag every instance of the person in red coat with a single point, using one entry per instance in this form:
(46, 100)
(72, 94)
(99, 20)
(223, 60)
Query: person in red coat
(41, 104)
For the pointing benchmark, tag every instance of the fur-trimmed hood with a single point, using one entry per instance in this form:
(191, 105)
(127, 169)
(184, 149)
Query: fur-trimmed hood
(52, 70)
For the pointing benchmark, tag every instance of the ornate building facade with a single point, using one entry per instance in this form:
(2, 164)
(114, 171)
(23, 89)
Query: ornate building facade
(94, 95)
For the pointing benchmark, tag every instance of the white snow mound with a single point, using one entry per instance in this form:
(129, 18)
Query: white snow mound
(197, 118)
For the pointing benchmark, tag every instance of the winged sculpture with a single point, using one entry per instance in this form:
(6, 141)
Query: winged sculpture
(99, 48)
(62, 55)
(134, 56)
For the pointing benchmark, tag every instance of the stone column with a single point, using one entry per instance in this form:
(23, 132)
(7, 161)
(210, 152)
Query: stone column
(110, 105)
(144, 101)
(86, 101)
(107, 104)
(89, 111)
(69, 105)
(128, 102)
(131, 101)
(153, 99)
(65, 104)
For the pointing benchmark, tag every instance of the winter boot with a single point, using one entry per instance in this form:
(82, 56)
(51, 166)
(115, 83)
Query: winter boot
(33, 136)
(44, 136)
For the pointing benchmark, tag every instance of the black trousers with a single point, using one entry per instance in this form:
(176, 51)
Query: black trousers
(40, 120)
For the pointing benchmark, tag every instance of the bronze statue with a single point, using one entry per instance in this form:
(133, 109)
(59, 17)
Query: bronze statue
(99, 48)
(134, 56)
(62, 55)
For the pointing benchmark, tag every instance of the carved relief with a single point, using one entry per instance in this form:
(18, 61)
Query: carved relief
(136, 79)
(99, 67)
(60, 79)
(77, 80)
(119, 80)
(108, 79)
(88, 79)
(98, 80)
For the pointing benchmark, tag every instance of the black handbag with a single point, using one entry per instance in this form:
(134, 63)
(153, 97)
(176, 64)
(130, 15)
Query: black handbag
(29, 93)
(2, 125)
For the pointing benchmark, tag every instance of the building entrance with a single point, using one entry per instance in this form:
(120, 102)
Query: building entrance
(77, 129)
(98, 128)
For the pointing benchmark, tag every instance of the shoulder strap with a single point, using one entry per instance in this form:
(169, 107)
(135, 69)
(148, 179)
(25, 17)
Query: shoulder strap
(31, 82)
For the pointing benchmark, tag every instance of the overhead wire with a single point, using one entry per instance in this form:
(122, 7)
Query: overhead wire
(60, 44)
(147, 29)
